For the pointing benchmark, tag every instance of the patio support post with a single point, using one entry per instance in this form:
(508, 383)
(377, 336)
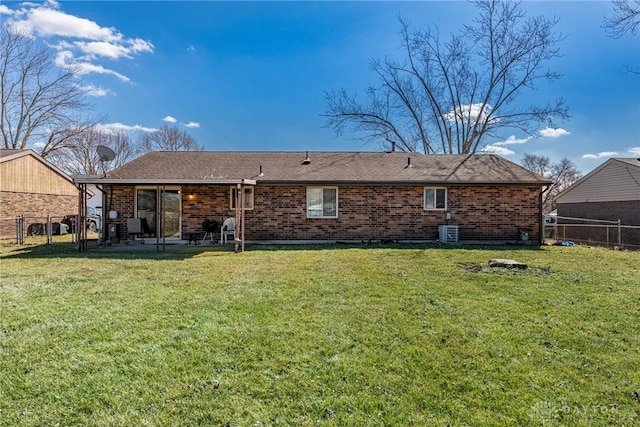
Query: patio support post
(81, 225)
(239, 210)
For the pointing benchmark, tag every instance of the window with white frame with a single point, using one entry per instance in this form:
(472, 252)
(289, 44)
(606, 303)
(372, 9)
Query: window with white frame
(322, 202)
(435, 199)
(248, 198)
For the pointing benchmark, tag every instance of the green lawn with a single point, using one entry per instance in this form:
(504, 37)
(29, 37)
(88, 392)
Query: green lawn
(319, 336)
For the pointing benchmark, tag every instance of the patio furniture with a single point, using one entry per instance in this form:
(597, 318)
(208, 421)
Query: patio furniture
(137, 227)
(228, 229)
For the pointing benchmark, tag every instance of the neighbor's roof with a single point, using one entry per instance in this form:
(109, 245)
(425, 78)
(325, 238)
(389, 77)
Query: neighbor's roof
(614, 180)
(279, 167)
(5, 153)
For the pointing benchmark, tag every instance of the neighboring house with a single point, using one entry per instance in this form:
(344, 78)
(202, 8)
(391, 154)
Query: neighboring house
(610, 192)
(31, 186)
(327, 196)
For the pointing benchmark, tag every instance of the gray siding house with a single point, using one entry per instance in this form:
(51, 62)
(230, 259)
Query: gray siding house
(610, 192)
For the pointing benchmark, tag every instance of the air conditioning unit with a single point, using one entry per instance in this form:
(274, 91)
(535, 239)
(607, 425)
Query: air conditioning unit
(448, 233)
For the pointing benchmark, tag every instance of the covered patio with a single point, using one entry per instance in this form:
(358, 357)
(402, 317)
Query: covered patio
(171, 223)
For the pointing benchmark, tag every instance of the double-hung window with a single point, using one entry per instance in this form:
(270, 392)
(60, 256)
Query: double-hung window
(248, 198)
(322, 202)
(435, 199)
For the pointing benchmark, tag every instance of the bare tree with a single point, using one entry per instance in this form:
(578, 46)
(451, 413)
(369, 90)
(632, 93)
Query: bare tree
(169, 138)
(563, 174)
(81, 157)
(624, 21)
(41, 105)
(451, 96)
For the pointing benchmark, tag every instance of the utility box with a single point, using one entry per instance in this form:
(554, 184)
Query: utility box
(112, 232)
(448, 233)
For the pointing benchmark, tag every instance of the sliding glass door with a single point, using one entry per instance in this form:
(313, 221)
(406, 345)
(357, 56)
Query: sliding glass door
(160, 206)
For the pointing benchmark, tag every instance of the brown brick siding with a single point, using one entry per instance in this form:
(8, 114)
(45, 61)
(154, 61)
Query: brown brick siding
(35, 208)
(364, 212)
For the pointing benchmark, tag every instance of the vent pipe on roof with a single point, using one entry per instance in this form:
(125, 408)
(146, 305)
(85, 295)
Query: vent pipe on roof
(393, 146)
(408, 163)
(306, 160)
(260, 173)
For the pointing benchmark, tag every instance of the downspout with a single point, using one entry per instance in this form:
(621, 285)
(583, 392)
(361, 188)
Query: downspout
(540, 218)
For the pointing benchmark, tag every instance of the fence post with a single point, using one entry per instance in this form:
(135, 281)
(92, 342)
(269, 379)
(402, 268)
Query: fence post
(619, 234)
(48, 229)
(20, 229)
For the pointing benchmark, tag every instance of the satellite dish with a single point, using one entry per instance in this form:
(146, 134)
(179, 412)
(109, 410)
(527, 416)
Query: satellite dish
(106, 154)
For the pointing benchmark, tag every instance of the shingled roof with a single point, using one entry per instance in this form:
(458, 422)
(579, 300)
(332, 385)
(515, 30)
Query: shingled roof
(322, 168)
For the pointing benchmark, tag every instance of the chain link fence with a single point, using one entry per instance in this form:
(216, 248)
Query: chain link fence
(38, 229)
(594, 232)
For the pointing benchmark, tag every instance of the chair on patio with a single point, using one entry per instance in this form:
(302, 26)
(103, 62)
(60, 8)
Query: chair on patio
(228, 229)
(137, 227)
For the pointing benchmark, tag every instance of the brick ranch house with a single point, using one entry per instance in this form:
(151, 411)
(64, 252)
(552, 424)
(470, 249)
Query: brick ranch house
(327, 196)
(33, 187)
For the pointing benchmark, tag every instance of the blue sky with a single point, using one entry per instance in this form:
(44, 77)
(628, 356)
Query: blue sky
(252, 75)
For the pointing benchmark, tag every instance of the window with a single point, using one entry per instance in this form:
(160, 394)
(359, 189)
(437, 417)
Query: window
(322, 202)
(248, 198)
(435, 199)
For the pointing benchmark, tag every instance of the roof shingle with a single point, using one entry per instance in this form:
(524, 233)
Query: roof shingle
(327, 167)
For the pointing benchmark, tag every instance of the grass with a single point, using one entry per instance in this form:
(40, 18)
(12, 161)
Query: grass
(319, 336)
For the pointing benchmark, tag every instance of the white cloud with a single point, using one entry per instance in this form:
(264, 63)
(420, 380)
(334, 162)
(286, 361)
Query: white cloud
(46, 22)
(470, 110)
(191, 49)
(600, 155)
(79, 41)
(92, 90)
(4, 10)
(115, 127)
(634, 151)
(192, 125)
(139, 45)
(169, 119)
(512, 140)
(106, 49)
(65, 59)
(553, 133)
(494, 149)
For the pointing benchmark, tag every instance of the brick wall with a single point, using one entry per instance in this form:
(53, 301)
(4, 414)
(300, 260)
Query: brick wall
(35, 208)
(364, 212)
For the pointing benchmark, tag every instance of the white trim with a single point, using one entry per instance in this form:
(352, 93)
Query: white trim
(424, 197)
(322, 216)
(232, 199)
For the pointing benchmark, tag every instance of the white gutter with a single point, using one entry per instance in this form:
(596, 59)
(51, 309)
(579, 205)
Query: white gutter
(165, 181)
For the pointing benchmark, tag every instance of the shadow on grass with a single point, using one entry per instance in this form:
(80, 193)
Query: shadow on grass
(147, 252)
(181, 252)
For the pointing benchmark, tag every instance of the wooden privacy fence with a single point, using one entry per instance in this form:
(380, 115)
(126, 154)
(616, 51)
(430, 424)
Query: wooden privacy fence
(595, 232)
